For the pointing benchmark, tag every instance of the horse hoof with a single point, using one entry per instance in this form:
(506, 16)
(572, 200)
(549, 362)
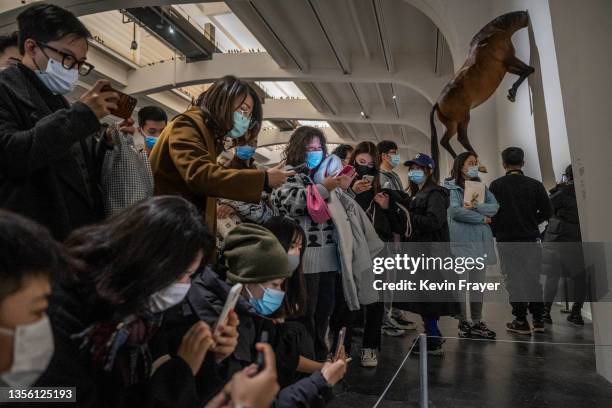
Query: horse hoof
(482, 169)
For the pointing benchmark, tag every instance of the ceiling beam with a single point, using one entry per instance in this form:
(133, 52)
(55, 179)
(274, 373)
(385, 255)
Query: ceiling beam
(340, 58)
(381, 96)
(382, 35)
(301, 109)
(8, 17)
(357, 24)
(261, 67)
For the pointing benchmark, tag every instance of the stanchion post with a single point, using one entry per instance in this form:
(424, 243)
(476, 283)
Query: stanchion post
(423, 369)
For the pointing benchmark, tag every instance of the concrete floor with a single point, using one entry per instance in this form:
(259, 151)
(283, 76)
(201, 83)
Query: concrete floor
(487, 374)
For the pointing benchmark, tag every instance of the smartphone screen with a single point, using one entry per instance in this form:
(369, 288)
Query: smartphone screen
(341, 337)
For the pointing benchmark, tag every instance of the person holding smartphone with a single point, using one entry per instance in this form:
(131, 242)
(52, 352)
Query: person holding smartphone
(184, 158)
(306, 151)
(387, 220)
(49, 171)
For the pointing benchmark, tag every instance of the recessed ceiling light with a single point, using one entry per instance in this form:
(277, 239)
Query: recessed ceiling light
(171, 29)
(394, 97)
(362, 113)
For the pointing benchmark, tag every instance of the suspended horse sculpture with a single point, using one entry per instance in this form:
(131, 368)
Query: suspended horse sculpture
(491, 55)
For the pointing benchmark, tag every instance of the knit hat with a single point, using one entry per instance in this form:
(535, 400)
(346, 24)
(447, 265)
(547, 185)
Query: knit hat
(254, 255)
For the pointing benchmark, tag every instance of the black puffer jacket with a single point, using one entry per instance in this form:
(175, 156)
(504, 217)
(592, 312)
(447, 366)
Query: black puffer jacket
(564, 225)
(72, 309)
(428, 214)
(205, 301)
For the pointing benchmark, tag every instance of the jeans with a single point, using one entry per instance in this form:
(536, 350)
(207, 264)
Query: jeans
(475, 296)
(320, 288)
(520, 265)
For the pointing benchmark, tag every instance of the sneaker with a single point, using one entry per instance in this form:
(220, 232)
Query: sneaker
(434, 346)
(546, 317)
(576, 319)
(401, 321)
(465, 330)
(538, 326)
(481, 330)
(393, 332)
(368, 358)
(390, 321)
(518, 327)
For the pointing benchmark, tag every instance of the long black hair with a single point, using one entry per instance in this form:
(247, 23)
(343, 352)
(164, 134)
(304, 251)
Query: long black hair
(125, 259)
(286, 231)
(457, 170)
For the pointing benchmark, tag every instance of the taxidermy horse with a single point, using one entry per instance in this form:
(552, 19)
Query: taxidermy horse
(491, 55)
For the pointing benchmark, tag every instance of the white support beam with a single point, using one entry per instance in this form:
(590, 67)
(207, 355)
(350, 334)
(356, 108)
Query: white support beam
(415, 74)
(301, 109)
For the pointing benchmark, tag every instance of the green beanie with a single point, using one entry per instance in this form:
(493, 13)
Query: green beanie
(254, 255)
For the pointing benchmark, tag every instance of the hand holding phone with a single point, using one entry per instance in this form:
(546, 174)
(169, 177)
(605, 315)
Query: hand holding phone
(368, 177)
(230, 304)
(125, 103)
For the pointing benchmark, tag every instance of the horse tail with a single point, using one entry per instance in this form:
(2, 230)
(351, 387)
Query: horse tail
(435, 149)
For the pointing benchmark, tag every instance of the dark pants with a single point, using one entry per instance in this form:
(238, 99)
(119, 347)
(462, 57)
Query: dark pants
(320, 288)
(373, 323)
(520, 264)
(342, 317)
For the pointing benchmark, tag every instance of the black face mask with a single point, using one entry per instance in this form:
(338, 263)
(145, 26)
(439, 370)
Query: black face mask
(364, 170)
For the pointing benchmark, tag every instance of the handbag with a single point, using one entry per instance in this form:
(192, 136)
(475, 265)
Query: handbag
(126, 176)
(316, 205)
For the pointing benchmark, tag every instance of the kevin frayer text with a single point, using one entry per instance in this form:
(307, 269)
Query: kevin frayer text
(428, 285)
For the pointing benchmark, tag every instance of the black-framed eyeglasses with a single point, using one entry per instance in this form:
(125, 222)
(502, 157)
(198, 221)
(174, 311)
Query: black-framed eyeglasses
(68, 61)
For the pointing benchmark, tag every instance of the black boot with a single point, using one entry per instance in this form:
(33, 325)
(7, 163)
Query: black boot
(546, 316)
(575, 317)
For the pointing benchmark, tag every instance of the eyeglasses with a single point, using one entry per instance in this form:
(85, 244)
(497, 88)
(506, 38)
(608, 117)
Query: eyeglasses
(68, 61)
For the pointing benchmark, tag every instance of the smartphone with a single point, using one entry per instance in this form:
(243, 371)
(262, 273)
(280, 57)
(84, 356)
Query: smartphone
(368, 177)
(346, 170)
(125, 104)
(300, 167)
(261, 361)
(341, 337)
(230, 304)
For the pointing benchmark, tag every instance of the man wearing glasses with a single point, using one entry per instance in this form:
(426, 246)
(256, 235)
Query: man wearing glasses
(48, 166)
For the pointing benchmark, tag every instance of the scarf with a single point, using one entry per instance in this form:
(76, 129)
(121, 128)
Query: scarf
(122, 347)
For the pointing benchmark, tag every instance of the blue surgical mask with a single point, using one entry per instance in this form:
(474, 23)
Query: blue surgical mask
(416, 176)
(472, 171)
(294, 261)
(241, 125)
(150, 142)
(58, 79)
(245, 152)
(395, 160)
(270, 303)
(313, 159)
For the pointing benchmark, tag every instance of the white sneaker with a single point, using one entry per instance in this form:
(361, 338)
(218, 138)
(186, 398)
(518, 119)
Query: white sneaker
(368, 358)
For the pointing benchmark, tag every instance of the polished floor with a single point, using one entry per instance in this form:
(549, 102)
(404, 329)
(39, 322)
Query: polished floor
(487, 374)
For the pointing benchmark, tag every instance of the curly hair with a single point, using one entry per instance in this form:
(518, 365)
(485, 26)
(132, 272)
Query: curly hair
(295, 152)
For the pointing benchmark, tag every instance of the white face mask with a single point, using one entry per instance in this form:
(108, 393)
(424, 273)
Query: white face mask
(58, 79)
(168, 297)
(32, 352)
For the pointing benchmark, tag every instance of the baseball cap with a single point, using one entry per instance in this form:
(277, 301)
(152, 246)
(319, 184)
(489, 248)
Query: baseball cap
(422, 160)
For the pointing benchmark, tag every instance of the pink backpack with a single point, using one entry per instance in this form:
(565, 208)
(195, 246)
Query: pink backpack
(316, 205)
